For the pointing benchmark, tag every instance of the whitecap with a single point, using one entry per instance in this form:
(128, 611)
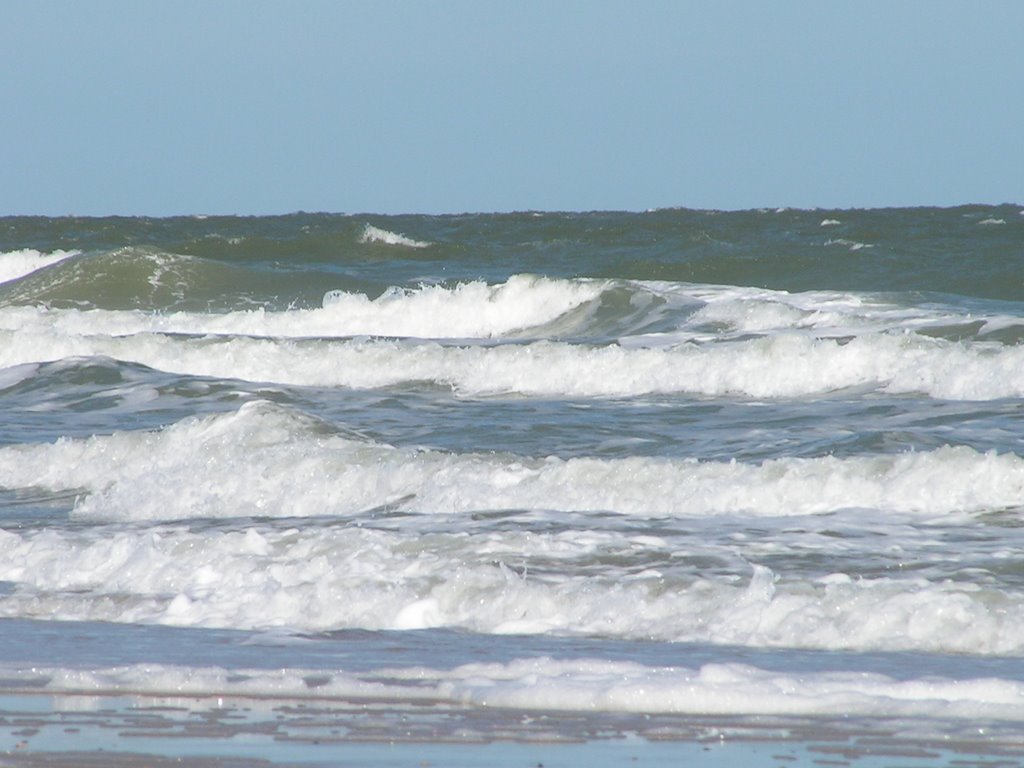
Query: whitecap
(268, 461)
(401, 580)
(16, 264)
(466, 310)
(372, 234)
(779, 365)
(853, 245)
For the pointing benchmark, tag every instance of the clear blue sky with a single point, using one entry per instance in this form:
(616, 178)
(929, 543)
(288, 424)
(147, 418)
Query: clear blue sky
(252, 106)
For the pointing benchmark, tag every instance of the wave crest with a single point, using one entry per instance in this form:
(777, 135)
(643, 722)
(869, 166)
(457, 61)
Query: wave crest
(265, 460)
(18, 264)
(372, 234)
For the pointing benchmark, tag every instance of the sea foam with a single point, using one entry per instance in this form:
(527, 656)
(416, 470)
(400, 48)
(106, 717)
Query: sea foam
(783, 365)
(265, 460)
(16, 264)
(466, 310)
(322, 578)
(582, 685)
(372, 234)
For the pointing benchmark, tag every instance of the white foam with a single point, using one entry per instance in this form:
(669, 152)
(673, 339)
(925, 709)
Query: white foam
(830, 222)
(809, 343)
(782, 365)
(853, 245)
(473, 309)
(726, 689)
(750, 315)
(583, 685)
(15, 264)
(477, 309)
(319, 578)
(991, 222)
(738, 310)
(267, 461)
(372, 234)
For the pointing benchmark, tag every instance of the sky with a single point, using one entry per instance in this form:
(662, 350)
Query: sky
(137, 107)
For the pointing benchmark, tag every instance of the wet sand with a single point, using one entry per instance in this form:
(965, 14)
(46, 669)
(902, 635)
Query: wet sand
(143, 731)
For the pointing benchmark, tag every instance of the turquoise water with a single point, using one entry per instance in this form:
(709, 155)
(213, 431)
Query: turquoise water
(678, 464)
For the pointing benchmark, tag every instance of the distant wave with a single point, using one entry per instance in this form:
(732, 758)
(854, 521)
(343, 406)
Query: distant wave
(473, 309)
(134, 277)
(127, 277)
(466, 310)
(372, 234)
(635, 313)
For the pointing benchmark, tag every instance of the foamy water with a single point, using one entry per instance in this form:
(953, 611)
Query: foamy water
(751, 473)
(265, 460)
(15, 264)
(584, 685)
(716, 342)
(372, 234)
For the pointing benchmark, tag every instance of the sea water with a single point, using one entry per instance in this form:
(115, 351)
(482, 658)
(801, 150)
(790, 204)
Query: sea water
(672, 465)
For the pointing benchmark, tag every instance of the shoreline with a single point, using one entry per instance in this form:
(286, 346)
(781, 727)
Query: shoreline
(131, 731)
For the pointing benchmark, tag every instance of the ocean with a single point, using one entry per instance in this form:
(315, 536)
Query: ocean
(679, 477)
